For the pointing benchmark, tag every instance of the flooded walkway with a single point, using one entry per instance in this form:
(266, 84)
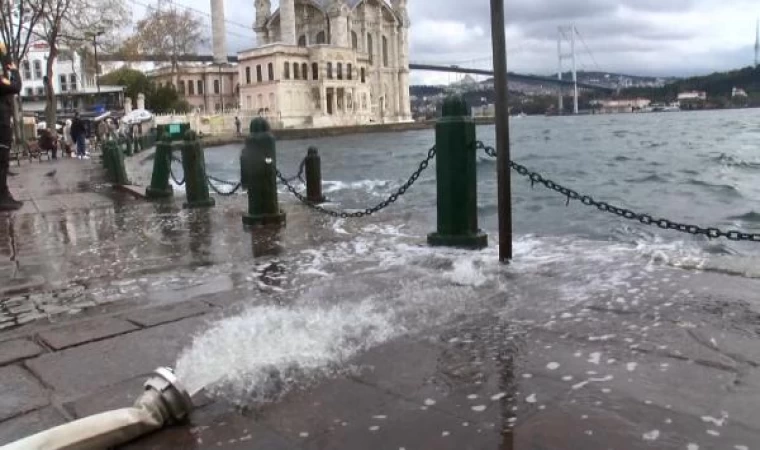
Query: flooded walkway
(575, 345)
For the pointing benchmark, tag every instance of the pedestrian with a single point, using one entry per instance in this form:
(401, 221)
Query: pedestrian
(78, 134)
(10, 86)
(68, 140)
(237, 125)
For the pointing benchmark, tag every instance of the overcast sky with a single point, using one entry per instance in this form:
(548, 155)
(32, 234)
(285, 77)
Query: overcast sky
(646, 37)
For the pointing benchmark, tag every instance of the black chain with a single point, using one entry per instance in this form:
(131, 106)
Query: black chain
(235, 186)
(174, 177)
(299, 175)
(369, 211)
(646, 219)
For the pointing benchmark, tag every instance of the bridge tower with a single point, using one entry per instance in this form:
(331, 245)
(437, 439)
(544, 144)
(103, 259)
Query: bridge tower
(561, 56)
(757, 44)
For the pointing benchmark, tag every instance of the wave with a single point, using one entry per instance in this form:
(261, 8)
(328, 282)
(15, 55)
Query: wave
(734, 161)
(654, 178)
(726, 189)
(364, 185)
(751, 216)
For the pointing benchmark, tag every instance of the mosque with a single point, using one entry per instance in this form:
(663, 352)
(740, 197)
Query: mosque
(324, 63)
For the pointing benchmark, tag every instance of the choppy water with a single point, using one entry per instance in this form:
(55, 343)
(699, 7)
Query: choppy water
(699, 168)
(368, 281)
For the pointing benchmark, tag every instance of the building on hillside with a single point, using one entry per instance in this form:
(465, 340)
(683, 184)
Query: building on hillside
(75, 88)
(692, 95)
(618, 106)
(738, 92)
(206, 87)
(323, 63)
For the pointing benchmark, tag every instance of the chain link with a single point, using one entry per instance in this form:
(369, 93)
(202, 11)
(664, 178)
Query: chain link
(235, 187)
(645, 219)
(299, 175)
(369, 211)
(177, 181)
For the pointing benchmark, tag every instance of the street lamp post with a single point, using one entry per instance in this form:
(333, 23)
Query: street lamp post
(94, 36)
(504, 181)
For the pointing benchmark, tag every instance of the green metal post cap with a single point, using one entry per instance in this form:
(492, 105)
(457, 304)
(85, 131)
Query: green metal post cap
(453, 106)
(259, 125)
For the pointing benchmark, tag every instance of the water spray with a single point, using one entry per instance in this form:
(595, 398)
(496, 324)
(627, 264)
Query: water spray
(163, 402)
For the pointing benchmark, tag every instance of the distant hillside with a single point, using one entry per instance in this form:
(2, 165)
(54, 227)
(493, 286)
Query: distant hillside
(717, 85)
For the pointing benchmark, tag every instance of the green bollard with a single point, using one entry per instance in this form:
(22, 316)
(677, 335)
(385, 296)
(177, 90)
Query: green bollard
(313, 170)
(456, 179)
(194, 166)
(117, 172)
(159, 181)
(258, 166)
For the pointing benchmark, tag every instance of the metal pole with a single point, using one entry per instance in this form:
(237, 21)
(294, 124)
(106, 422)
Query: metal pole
(560, 106)
(97, 65)
(575, 71)
(499, 45)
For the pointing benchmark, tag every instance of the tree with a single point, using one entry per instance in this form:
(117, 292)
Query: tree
(169, 33)
(18, 19)
(74, 24)
(134, 81)
(166, 99)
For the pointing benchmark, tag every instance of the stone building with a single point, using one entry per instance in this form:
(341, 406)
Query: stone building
(322, 63)
(207, 88)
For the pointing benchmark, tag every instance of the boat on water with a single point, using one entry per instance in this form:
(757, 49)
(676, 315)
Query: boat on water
(660, 107)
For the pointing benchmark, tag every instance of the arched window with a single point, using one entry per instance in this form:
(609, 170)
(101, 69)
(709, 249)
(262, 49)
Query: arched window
(302, 41)
(258, 73)
(315, 71)
(286, 71)
(363, 74)
(305, 71)
(321, 37)
(248, 75)
(354, 40)
(271, 71)
(296, 72)
(349, 71)
(385, 51)
(181, 87)
(340, 71)
(370, 49)
(329, 71)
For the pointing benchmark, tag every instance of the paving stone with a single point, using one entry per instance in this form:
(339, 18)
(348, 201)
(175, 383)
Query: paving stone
(169, 313)
(20, 392)
(12, 351)
(82, 332)
(22, 426)
(114, 360)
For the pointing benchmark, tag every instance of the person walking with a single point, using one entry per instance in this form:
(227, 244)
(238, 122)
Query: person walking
(78, 134)
(68, 141)
(10, 86)
(237, 125)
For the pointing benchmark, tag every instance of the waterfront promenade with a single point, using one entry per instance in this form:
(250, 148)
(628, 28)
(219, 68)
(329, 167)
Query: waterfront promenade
(99, 288)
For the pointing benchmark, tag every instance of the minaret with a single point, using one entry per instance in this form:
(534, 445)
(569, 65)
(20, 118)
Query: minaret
(757, 44)
(403, 57)
(263, 13)
(288, 22)
(218, 32)
(337, 11)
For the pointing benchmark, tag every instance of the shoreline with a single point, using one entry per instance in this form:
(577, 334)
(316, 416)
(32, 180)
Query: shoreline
(290, 134)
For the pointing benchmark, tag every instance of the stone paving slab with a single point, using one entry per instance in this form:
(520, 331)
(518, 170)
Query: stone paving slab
(170, 313)
(70, 372)
(20, 392)
(120, 395)
(28, 424)
(85, 331)
(16, 350)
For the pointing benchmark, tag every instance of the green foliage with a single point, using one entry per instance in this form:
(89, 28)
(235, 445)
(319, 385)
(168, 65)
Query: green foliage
(160, 100)
(135, 82)
(717, 85)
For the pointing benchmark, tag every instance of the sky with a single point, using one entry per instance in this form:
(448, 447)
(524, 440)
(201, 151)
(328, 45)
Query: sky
(640, 37)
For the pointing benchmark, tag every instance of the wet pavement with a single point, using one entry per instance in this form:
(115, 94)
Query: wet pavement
(587, 351)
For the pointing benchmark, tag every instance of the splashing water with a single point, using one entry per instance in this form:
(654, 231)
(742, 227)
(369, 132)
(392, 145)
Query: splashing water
(267, 350)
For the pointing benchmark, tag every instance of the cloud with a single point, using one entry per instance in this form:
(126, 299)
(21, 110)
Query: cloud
(656, 37)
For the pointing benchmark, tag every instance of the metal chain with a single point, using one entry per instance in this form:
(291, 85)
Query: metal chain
(646, 219)
(174, 177)
(236, 187)
(369, 211)
(299, 175)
